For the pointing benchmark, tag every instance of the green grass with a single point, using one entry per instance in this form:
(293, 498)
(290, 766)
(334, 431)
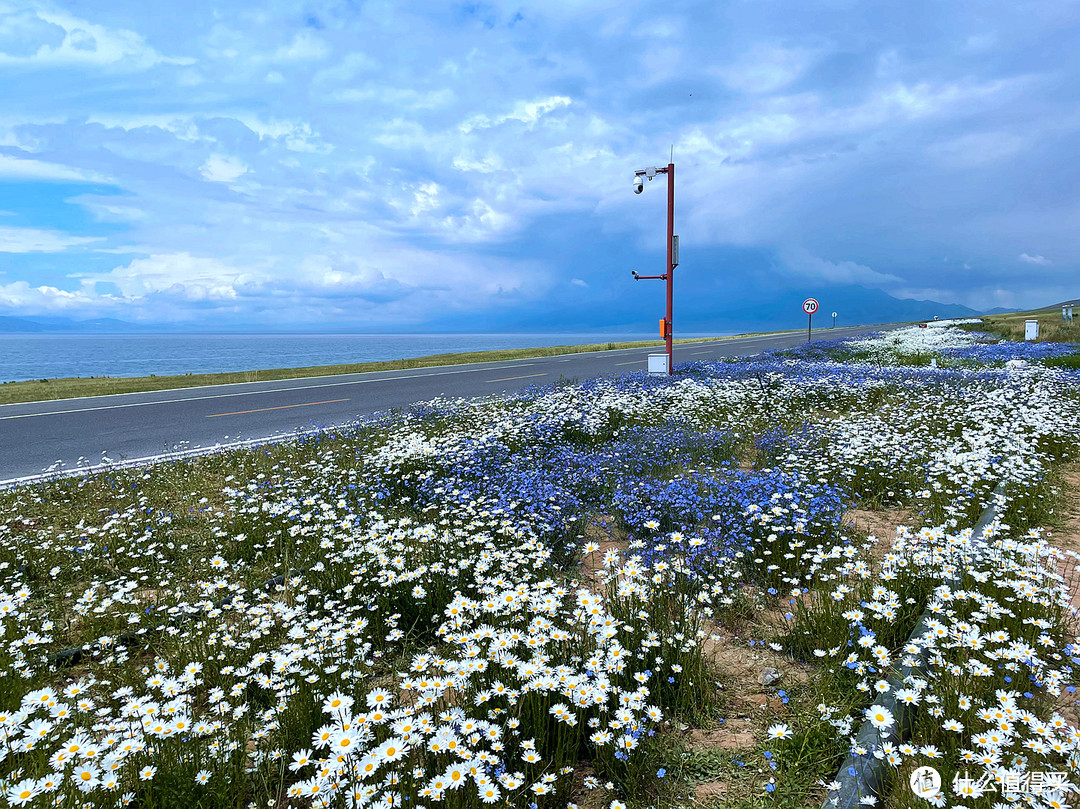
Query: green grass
(1071, 362)
(73, 387)
(1011, 326)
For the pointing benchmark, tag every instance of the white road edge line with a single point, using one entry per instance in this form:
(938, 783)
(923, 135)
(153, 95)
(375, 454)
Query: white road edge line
(251, 393)
(150, 459)
(487, 367)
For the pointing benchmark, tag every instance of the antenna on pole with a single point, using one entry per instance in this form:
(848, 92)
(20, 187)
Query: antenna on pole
(672, 158)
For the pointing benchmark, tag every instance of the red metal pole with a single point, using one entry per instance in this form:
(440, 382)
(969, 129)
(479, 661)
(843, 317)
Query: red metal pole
(670, 258)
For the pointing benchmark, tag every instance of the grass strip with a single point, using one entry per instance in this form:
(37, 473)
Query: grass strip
(1011, 326)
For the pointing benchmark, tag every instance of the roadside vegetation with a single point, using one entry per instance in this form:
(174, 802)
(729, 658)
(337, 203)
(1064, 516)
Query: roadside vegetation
(631, 592)
(1011, 326)
(39, 390)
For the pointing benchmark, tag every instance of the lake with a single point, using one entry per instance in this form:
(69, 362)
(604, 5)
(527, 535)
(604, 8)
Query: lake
(56, 356)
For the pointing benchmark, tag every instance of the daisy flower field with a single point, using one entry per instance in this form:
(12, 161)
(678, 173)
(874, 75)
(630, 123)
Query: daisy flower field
(629, 591)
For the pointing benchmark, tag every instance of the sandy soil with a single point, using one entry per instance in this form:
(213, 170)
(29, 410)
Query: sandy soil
(1067, 537)
(880, 525)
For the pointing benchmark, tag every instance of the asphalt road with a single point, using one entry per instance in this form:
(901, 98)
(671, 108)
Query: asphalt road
(53, 437)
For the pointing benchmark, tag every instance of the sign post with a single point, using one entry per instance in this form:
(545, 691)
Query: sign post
(810, 305)
(834, 320)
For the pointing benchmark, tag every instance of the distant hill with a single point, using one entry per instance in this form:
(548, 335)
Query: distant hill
(854, 306)
(762, 310)
(17, 325)
(63, 325)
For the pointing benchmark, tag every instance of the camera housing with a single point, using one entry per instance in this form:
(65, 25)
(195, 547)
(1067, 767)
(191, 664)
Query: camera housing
(639, 186)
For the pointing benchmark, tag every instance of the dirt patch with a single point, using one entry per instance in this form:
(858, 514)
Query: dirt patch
(1069, 707)
(711, 792)
(585, 798)
(882, 526)
(748, 667)
(602, 538)
(721, 739)
(1067, 538)
(751, 677)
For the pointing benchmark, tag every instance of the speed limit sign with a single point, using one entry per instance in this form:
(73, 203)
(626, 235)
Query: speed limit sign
(810, 305)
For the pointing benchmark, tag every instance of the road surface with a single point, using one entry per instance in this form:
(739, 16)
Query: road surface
(69, 434)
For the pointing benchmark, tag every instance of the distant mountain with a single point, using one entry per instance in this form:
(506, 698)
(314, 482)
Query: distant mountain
(18, 325)
(63, 325)
(853, 305)
(998, 310)
(699, 310)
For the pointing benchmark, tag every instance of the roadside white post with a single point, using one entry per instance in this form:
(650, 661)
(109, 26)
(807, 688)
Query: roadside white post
(1031, 329)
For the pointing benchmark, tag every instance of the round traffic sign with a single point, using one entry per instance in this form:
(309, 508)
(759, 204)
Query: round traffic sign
(810, 306)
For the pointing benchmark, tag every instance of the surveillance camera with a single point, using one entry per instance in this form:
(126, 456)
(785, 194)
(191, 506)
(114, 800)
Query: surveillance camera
(638, 185)
(633, 273)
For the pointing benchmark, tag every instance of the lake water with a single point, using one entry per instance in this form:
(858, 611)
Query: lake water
(56, 356)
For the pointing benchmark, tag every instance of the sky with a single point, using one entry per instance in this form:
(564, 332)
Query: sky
(411, 166)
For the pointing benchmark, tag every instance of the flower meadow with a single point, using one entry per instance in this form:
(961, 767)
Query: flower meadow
(512, 601)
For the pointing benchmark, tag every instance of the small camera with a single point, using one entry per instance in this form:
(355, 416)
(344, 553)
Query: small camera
(639, 186)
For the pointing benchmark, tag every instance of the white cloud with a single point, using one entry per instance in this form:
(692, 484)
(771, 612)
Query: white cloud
(1038, 261)
(578, 282)
(527, 112)
(298, 136)
(179, 276)
(765, 68)
(453, 132)
(801, 262)
(180, 125)
(354, 63)
(978, 148)
(400, 98)
(222, 169)
(21, 298)
(14, 168)
(34, 240)
(65, 40)
(425, 199)
(304, 46)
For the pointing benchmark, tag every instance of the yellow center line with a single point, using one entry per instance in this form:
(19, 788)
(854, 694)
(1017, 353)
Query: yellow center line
(508, 378)
(634, 362)
(279, 407)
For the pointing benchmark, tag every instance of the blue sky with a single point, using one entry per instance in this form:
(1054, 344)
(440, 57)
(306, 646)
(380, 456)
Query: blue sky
(402, 166)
